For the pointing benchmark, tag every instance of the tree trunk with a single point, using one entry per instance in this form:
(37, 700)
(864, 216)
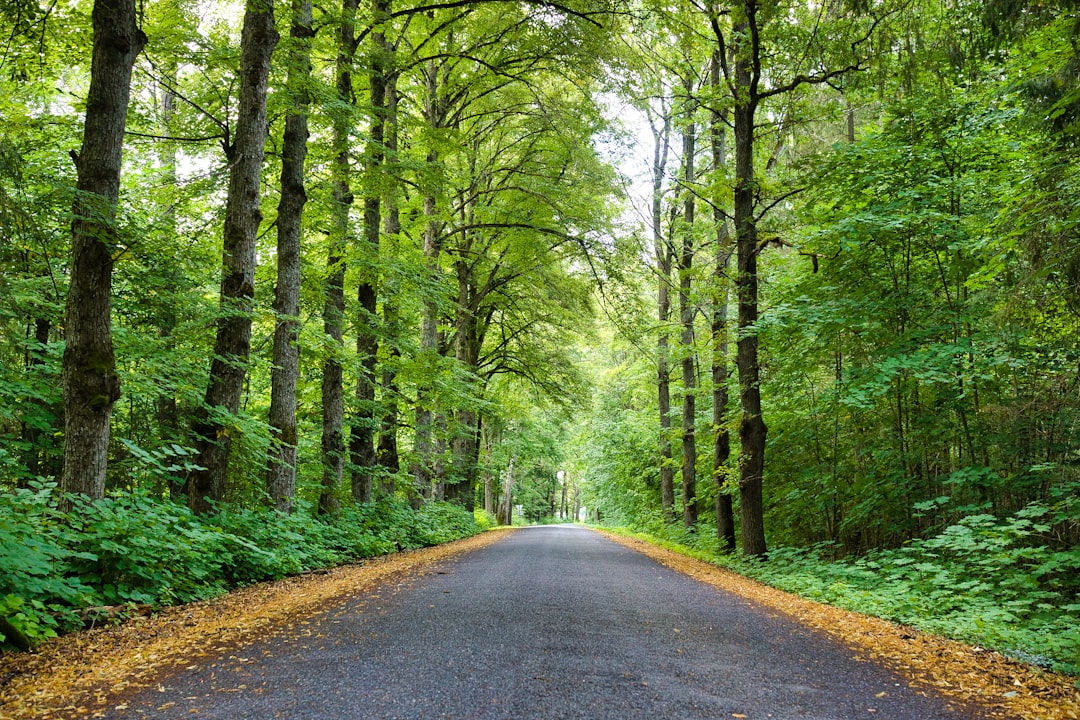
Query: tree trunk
(386, 454)
(281, 474)
(686, 317)
(506, 509)
(242, 217)
(725, 514)
(664, 258)
(90, 383)
(362, 429)
(464, 444)
(752, 428)
(166, 410)
(423, 471)
(31, 434)
(332, 444)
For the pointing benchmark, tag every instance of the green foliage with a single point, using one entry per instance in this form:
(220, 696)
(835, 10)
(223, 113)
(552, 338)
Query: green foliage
(984, 580)
(134, 549)
(37, 593)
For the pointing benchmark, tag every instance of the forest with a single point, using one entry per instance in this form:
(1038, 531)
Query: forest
(792, 285)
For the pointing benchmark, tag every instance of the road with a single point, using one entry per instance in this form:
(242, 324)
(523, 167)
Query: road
(550, 622)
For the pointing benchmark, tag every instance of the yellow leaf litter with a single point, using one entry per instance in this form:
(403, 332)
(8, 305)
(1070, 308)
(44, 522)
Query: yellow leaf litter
(76, 675)
(1001, 687)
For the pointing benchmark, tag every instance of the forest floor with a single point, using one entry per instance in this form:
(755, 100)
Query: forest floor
(77, 676)
(1007, 688)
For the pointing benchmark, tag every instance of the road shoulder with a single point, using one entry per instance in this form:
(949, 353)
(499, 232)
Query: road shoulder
(77, 675)
(1004, 687)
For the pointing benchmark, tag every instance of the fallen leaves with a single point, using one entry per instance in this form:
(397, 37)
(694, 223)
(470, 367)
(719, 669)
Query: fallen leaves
(76, 676)
(1003, 687)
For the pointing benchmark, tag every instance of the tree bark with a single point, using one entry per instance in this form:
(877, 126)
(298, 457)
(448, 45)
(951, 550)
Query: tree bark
(232, 345)
(386, 455)
(664, 259)
(362, 429)
(505, 515)
(725, 514)
(90, 383)
(31, 433)
(752, 430)
(686, 317)
(166, 409)
(281, 474)
(333, 394)
(423, 470)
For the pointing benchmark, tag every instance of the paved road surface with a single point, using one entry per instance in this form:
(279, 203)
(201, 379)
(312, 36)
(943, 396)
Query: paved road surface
(551, 622)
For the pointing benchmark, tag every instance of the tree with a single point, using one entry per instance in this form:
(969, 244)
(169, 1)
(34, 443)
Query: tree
(724, 510)
(752, 77)
(687, 311)
(663, 252)
(281, 473)
(245, 152)
(90, 383)
(333, 390)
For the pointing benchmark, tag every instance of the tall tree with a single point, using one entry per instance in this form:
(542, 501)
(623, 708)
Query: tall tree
(724, 507)
(687, 309)
(386, 454)
(333, 391)
(754, 77)
(90, 383)
(245, 152)
(281, 473)
(362, 429)
(664, 253)
(424, 475)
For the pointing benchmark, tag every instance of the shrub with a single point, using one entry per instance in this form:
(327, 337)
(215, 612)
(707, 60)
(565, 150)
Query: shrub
(135, 549)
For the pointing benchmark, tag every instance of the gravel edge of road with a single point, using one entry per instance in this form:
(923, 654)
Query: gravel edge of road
(1002, 687)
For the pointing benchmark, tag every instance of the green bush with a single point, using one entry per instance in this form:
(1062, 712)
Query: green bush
(985, 580)
(136, 549)
(437, 523)
(995, 582)
(37, 591)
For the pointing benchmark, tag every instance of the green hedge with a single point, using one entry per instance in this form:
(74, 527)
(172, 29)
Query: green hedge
(136, 549)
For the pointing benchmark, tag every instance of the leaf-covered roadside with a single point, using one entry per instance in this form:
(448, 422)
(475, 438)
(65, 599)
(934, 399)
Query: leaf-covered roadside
(1000, 686)
(82, 673)
(986, 580)
(133, 549)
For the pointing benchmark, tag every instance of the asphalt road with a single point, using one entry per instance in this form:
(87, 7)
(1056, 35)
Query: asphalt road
(550, 622)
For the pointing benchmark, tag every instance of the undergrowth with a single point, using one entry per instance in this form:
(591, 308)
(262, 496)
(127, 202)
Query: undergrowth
(131, 549)
(985, 580)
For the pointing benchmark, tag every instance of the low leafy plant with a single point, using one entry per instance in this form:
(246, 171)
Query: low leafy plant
(995, 582)
(133, 549)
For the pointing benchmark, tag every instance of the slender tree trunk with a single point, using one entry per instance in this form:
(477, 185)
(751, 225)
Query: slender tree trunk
(281, 474)
(506, 509)
(686, 317)
(362, 430)
(90, 383)
(664, 259)
(752, 430)
(166, 410)
(242, 217)
(386, 454)
(31, 435)
(333, 394)
(465, 438)
(725, 514)
(423, 470)
(489, 481)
